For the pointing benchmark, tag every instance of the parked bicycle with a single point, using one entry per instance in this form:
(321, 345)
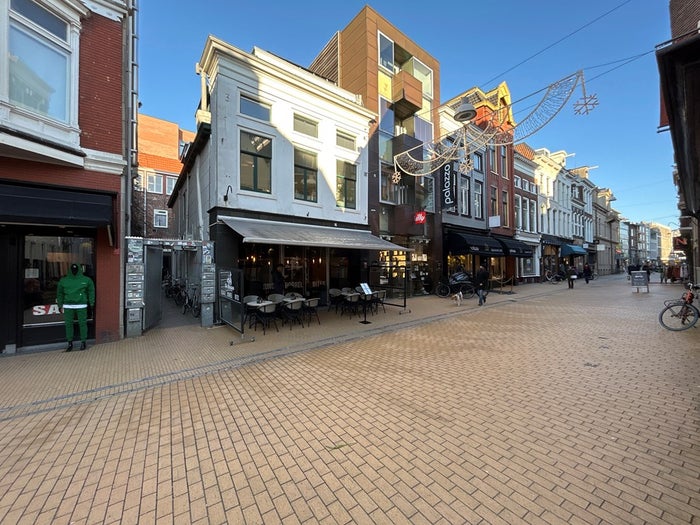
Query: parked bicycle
(191, 302)
(553, 277)
(680, 314)
(457, 282)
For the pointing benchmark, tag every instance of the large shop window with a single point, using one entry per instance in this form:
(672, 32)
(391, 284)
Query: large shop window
(46, 260)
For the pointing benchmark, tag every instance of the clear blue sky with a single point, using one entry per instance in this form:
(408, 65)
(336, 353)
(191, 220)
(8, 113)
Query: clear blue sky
(527, 44)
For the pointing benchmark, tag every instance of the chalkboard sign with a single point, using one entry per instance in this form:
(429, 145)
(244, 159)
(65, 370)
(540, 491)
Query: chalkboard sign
(639, 279)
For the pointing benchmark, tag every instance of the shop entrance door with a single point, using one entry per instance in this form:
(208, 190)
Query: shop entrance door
(9, 309)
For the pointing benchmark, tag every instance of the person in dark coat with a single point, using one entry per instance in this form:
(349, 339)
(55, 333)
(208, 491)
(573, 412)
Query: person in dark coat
(481, 281)
(587, 272)
(74, 294)
(278, 279)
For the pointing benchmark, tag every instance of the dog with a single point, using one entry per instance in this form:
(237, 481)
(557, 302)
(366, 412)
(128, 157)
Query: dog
(458, 298)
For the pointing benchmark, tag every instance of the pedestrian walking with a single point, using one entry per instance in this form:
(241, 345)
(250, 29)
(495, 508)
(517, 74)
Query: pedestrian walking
(572, 276)
(587, 272)
(481, 281)
(75, 292)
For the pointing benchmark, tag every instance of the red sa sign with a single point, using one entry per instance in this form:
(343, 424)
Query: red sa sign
(419, 217)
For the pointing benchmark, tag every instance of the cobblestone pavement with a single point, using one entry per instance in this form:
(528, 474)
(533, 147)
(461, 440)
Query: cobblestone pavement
(547, 405)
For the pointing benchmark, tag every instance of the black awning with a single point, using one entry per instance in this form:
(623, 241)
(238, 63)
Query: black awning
(459, 243)
(550, 239)
(41, 205)
(515, 248)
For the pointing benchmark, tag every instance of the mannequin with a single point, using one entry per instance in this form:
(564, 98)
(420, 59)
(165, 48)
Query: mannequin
(75, 293)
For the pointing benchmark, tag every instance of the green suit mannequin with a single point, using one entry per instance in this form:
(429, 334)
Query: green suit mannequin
(74, 294)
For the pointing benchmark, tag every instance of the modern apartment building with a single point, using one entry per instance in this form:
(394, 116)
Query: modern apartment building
(400, 82)
(67, 99)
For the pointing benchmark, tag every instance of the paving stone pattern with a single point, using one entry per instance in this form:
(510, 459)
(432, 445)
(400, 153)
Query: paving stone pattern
(544, 406)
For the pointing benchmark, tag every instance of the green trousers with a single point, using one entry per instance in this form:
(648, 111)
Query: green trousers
(69, 315)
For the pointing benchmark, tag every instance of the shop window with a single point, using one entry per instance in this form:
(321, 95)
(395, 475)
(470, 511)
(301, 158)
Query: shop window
(46, 260)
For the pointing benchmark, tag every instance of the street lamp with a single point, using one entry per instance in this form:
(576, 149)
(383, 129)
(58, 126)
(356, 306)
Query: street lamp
(465, 111)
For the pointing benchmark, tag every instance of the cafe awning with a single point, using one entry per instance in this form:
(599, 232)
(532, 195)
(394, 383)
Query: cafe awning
(571, 249)
(515, 248)
(459, 243)
(275, 232)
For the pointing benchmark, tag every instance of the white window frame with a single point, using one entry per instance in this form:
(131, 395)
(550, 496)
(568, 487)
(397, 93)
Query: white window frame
(160, 214)
(478, 199)
(154, 183)
(25, 119)
(170, 183)
(256, 103)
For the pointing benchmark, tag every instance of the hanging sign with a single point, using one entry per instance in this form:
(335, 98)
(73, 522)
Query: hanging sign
(447, 186)
(419, 217)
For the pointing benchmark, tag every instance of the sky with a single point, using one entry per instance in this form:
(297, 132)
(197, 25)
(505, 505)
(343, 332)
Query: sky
(526, 44)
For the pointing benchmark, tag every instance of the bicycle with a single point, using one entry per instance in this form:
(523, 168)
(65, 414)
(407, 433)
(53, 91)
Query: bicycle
(553, 277)
(680, 314)
(191, 302)
(457, 282)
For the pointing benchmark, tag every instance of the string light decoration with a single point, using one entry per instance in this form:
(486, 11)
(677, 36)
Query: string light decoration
(495, 130)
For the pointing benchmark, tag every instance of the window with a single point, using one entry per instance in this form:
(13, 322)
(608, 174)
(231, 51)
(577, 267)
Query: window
(478, 199)
(305, 176)
(255, 109)
(425, 193)
(494, 201)
(504, 161)
(492, 158)
(42, 270)
(504, 208)
(518, 212)
(386, 53)
(345, 140)
(155, 183)
(170, 183)
(464, 195)
(388, 191)
(345, 185)
(518, 183)
(386, 148)
(306, 126)
(425, 75)
(40, 62)
(160, 218)
(386, 116)
(256, 163)
(478, 162)
(423, 130)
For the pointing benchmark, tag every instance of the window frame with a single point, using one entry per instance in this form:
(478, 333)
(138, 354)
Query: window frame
(154, 182)
(390, 65)
(265, 109)
(257, 156)
(340, 175)
(478, 199)
(160, 213)
(464, 195)
(307, 126)
(307, 173)
(341, 136)
(170, 183)
(64, 131)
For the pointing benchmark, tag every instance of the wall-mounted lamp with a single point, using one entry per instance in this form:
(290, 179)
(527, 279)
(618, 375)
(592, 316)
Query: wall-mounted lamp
(228, 189)
(465, 111)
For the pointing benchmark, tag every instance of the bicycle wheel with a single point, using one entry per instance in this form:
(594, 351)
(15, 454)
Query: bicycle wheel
(442, 290)
(467, 290)
(196, 309)
(679, 316)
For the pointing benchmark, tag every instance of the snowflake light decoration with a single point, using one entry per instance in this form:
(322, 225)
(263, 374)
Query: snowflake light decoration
(396, 177)
(466, 166)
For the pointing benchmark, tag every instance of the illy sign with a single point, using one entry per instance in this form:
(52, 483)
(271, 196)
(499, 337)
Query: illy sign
(447, 186)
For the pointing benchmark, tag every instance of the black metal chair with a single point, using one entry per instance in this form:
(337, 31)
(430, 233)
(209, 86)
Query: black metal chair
(310, 309)
(267, 314)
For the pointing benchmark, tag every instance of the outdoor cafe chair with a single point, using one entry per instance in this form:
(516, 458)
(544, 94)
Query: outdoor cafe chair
(250, 309)
(309, 308)
(350, 303)
(267, 314)
(335, 298)
(291, 311)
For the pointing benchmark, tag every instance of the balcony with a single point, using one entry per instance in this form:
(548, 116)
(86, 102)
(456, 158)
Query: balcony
(407, 95)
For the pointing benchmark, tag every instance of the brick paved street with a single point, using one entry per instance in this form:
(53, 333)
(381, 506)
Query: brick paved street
(547, 405)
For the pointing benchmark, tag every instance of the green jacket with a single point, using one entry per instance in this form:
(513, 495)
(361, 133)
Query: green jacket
(75, 289)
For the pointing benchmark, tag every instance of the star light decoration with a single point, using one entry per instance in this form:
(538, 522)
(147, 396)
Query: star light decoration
(586, 103)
